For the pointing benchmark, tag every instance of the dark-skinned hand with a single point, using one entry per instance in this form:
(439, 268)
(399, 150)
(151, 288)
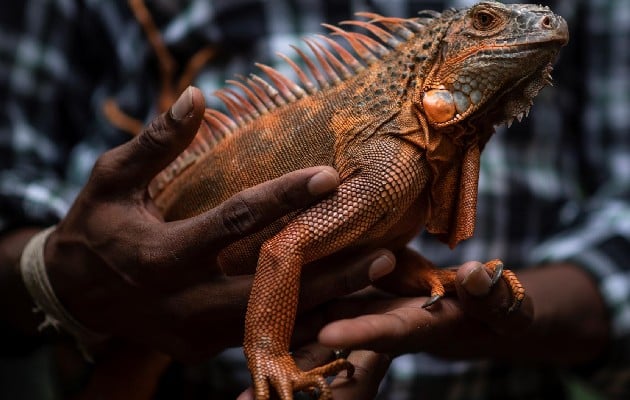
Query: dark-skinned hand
(562, 319)
(375, 326)
(120, 269)
(466, 324)
(369, 369)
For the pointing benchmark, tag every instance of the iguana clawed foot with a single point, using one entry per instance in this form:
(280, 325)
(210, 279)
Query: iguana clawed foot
(438, 282)
(498, 272)
(281, 373)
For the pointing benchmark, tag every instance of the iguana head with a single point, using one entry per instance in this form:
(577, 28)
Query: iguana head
(490, 64)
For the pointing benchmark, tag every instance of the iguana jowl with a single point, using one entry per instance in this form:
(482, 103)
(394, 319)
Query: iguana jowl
(403, 118)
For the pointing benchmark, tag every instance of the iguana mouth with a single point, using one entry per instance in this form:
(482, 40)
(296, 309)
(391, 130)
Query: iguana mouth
(524, 46)
(525, 50)
(516, 99)
(557, 41)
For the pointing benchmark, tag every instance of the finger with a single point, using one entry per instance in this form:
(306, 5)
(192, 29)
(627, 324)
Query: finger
(367, 331)
(382, 326)
(134, 164)
(489, 303)
(196, 307)
(369, 370)
(248, 394)
(332, 278)
(336, 277)
(404, 279)
(250, 210)
(312, 355)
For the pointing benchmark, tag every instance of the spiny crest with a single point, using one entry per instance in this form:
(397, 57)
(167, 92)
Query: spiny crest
(331, 63)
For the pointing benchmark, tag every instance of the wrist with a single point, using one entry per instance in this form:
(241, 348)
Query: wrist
(37, 283)
(16, 311)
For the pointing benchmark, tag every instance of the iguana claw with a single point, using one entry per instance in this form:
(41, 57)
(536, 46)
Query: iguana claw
(498, 272)
(443, 281)
(285, 377)
(432, 300)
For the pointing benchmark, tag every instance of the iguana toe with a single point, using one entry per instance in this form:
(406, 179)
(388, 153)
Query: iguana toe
(498, 272)
(285, 377)
(432, 300)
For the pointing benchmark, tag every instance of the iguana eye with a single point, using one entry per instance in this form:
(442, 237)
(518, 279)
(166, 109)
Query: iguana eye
(483, 20)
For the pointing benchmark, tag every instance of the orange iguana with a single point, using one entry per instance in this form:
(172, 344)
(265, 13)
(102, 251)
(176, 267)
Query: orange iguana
(402, 114)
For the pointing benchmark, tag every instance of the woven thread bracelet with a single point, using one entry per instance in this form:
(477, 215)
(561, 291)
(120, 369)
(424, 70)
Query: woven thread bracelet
(36, 281)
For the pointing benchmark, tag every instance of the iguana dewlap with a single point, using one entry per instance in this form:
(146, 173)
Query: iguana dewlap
(403, 117)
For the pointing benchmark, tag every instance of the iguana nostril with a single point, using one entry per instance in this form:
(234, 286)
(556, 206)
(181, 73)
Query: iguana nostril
(546, 22)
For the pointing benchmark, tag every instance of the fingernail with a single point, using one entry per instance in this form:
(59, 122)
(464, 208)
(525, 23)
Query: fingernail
(477, 282)
(246, 395)
(322, 182)
(183, 106)
(380, 267)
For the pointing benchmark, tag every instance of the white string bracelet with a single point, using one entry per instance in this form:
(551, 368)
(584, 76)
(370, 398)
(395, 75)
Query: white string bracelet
(36, 281)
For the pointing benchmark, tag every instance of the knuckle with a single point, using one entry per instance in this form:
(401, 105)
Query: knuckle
(104, 168)
(238, 216)
(153, 137)
(375, 363)
(151, 257)
(309, 357)
(103, 162)
(142, 256)
(286, 195)
(348, 284)
(146, 258)
(290, 193)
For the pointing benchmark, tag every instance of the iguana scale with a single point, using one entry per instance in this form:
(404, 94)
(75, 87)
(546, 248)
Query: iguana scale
(402, 113)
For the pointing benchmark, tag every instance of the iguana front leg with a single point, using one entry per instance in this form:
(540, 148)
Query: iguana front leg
(366, 206)
(422, 277)
(270, 319)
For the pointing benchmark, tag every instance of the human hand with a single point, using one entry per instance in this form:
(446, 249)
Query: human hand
(475, 323)
(369, 369)
(375, 326)
(118, 268)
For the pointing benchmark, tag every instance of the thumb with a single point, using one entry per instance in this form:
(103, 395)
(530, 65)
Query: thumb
(134, 164)
(490, 302)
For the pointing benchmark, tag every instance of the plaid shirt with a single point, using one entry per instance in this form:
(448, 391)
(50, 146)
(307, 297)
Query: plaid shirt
(555, 187)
